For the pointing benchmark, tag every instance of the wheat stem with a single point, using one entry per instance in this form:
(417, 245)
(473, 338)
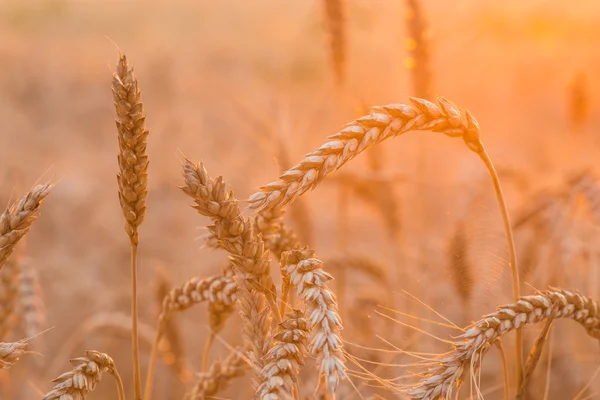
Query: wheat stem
(512, 253)
(135, 346)
(152, 361)
(504, 370)
(206, 356)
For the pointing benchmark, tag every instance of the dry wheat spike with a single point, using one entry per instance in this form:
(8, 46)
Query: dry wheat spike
(218, 377)
(9, 293)
(10, 353)
(83, 379)
(32, 310)
(284, 359)
(17, 219)
(305, 272)
(133, 139)
(215, 289)
(236, 234)
(382, 123)
(469, 348)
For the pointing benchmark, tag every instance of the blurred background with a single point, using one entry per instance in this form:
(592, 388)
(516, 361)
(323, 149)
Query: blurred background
(248, 87)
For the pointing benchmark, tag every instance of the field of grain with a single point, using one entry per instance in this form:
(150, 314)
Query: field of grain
(390, 199)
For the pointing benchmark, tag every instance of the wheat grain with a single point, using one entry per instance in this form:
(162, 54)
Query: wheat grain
(83, 379)
(17, 219)
(215, 289)
(306, 273)
(10, 353)
(284, 359)
(470, 347)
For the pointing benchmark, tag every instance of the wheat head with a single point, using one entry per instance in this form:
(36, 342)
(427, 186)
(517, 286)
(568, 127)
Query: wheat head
(383, 123)
(17, 219)
(469, 348)
(10, 353)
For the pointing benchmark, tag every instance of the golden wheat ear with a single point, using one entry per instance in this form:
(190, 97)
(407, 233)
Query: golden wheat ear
(84, 377)
(470, 347)
(18, 218)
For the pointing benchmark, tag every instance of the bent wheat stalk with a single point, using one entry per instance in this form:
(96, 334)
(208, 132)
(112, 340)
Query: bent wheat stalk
(17, 219)
(383, 123)
(132, 180)
(469, 348)
(83, 379)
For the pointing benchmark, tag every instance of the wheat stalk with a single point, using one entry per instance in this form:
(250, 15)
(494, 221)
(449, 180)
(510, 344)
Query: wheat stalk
(383, 123)
(218, 377)
(17, 219)
(31, 303)
(306, 273)
(284, 359)
(418, 49)
(132, 180)
(335, 20)
(83, 379)
(469, 348)
(10, 353)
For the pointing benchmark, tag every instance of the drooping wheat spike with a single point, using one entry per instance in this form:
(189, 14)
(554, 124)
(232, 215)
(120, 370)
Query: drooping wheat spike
(10, 353)
(442, 380)
(9, 294)
(171, 345)
(17, 219)
(383, 123)
(284, 359)
(357, 262)
(219, 376)
(219, 291)
(132, 179)
(336, 29)
(306, 273)
(236, 234)
(83, 379)
(31, 301)
(417, 45)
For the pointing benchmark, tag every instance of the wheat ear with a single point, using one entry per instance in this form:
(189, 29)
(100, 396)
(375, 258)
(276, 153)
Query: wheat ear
(383, 123)
(218, 376)
(132, 180)
(306, 273)
(219, 291)
(83, 379)
(17, 219)
(279, 376)
(470, 347)
(10, 353)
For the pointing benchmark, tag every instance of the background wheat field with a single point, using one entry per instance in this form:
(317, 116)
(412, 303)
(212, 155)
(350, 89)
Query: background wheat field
(410, 230)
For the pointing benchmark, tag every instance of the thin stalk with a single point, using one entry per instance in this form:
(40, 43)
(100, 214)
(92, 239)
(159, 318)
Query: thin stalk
(512, 253)
(135, 346)
(152, 362)
(342, 236)
(207, 347)
(120, 388)
(504, 370)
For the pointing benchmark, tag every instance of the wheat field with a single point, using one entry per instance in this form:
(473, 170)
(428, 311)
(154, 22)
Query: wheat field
(314, 199)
